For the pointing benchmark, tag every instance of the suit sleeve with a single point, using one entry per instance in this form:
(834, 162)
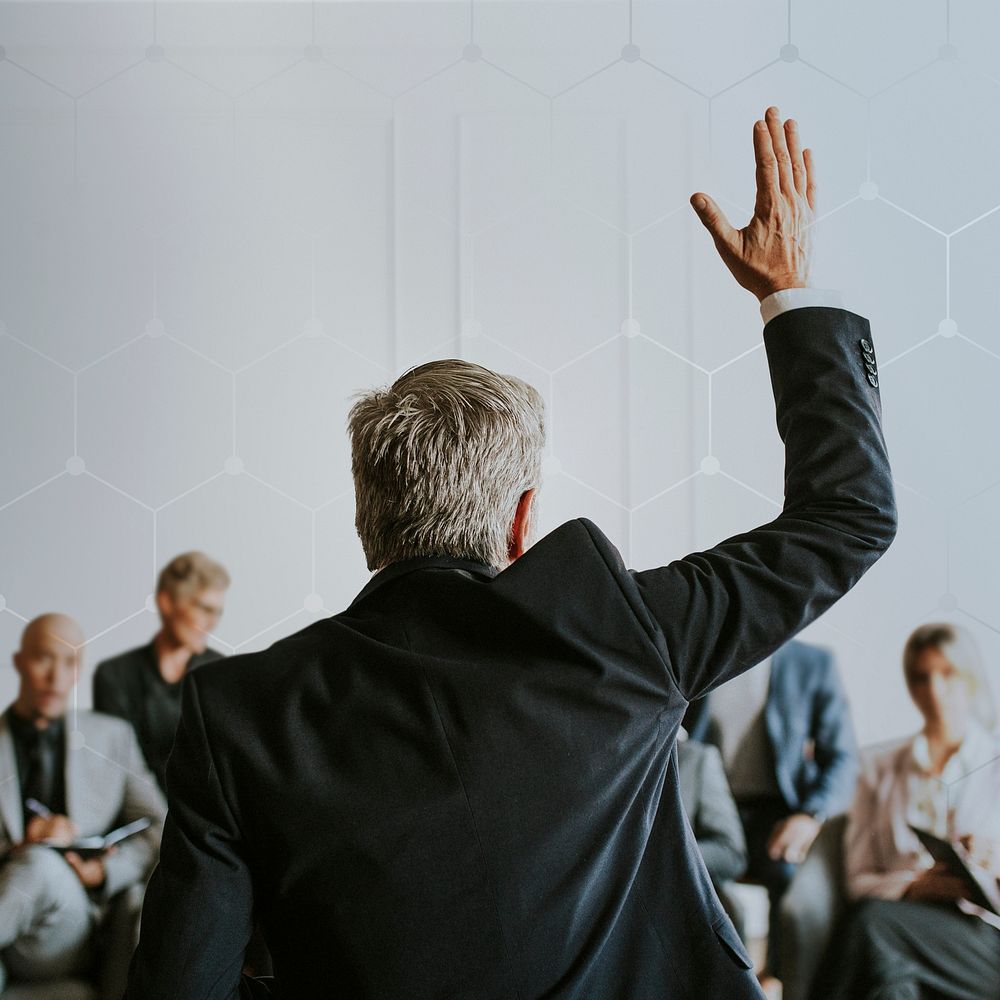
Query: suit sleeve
(725, 609)
(133, 858)
(717, 826)
(198, 913)
(835, 748)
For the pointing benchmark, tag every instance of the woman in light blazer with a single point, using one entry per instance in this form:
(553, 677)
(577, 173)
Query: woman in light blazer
(911, 933)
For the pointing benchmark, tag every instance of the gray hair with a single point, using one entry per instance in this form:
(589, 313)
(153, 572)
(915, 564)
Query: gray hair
(190, 573)
(441, 459)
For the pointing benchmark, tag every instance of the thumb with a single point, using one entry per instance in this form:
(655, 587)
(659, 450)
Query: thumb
(712, 218)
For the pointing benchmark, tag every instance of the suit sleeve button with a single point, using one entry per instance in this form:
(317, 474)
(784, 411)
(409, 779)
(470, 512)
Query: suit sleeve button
(866, 347)
(873, 380)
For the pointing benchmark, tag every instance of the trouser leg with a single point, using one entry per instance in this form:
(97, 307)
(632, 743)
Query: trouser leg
(899, 950)
(759, 820)
(45, 916)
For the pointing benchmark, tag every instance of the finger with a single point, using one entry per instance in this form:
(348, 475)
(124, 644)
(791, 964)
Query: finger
(776, 847)
(73, 860)
(810, 165)
(767, 168)
(785, 181)
(795, 155)
(713, 219)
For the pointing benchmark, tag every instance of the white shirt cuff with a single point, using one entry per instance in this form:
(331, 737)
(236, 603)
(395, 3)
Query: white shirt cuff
(798, 298)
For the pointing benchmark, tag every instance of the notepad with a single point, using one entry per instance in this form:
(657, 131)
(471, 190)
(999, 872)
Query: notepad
(92, 847)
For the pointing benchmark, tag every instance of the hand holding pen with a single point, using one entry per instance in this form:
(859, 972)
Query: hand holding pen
(48, 827)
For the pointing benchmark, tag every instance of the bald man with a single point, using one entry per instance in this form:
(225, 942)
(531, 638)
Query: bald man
(62, 778)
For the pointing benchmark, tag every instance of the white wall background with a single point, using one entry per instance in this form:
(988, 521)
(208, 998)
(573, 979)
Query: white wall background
(219, 220)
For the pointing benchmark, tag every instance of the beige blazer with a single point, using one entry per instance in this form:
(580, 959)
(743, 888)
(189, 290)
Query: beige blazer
(882, 855)
(107, 785)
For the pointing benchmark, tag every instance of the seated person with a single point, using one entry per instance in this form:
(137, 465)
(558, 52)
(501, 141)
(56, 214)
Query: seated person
(143, 686)
(711, 810)
(787, 742)
(911, 933)
(712, 813)
(61, 778)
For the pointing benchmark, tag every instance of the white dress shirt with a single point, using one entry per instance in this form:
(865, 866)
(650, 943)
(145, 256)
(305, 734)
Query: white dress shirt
(798, 298)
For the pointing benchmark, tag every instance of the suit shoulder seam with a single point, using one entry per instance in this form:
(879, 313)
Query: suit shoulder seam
(664, 661)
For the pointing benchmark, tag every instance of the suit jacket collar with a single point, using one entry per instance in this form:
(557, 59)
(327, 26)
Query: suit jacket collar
(11, 814)
(75, 782)
(398, 569)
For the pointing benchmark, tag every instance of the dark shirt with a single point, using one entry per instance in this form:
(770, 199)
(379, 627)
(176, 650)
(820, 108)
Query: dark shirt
(131, 686)
(41, 758)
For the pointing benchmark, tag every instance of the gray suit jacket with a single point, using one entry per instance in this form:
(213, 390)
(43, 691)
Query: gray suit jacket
(711, 810)
(107, 785)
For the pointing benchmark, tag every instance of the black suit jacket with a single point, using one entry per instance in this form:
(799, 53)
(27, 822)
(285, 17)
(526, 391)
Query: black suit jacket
(465, 786)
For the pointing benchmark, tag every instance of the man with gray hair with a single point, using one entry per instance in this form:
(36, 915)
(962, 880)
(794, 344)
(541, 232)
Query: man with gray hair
(465, 785)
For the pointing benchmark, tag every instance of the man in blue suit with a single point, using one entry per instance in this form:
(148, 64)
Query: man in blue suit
(465, 785)
(785, 732)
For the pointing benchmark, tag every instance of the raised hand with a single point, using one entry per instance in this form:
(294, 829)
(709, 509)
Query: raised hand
(772, 252)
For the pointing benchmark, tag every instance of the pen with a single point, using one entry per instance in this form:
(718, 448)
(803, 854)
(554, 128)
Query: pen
(38, 808)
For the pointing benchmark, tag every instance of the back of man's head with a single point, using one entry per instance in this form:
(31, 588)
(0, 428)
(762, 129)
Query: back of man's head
(441, 459)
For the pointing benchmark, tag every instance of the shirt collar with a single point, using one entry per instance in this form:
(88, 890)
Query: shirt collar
(975, 750)
(404, 566)
(26, 730)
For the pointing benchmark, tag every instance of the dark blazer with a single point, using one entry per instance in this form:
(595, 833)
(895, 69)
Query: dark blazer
(464, 787)
(808, 722)
(129, 685)
(711, 810)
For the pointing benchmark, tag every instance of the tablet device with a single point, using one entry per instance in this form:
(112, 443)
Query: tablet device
(983, 889)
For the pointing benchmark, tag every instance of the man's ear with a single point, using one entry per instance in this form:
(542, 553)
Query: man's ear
(520, 534)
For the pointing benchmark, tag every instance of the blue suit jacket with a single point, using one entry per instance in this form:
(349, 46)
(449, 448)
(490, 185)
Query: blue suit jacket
(808, 722)
(807, 708)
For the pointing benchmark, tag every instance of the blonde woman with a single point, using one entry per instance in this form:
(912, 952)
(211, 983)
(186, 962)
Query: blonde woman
(912, 933)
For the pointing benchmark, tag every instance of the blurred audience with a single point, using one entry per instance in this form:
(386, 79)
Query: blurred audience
(143, 685)
(63, 778)
(784, 759)
(787, 742)
(711, 810)
(912, 933)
